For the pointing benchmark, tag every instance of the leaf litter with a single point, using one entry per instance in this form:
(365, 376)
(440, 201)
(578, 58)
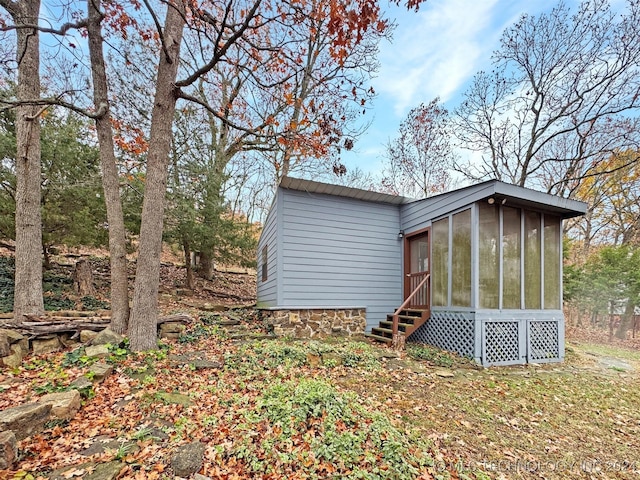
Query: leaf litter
(269, 411)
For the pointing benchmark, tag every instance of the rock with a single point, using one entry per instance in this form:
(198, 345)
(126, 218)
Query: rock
(141, 374)
(444, 373)
(24, 346)
(12, 335)
(172, 327)
(155, 434)
(67, 340)
(45, 345)
(188, 459)
(8, 449)
(97, 351)
(314, 360)
(100, 444)
(105, 471)
(178, 360)
(169, 335)
(19, 349)
(64, 405)
(69, 471)
(5, 348)
(100, 371)
(176, 398)
(211, 307)
(81, 383)
(12, 361)
(25, 420)
(197, 476)
(387, 354)
(87, 336)
(100, 471)
(202, 364)
(228, 323)
(107, 336)
(331, 359)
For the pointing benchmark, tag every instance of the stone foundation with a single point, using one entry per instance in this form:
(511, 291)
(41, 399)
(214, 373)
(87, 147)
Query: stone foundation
(317, 322)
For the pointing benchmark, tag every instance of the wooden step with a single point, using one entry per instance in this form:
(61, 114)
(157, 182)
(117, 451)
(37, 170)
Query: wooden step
(409, 312)
(382, 332)
(406, 319)
(378, 338)
(401, 326)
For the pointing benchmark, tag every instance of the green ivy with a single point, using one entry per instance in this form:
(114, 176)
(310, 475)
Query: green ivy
(432, 355)
(309, 421)
(92, 303)
(7, 269)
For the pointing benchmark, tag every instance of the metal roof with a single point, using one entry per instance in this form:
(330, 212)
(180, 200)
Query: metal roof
(504, 192)
(311, 186)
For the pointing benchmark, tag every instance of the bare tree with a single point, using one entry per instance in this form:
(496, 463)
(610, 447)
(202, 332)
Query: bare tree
(28, 253)
(110, 179)
(561, 98)
(419, 160)
(144, 313)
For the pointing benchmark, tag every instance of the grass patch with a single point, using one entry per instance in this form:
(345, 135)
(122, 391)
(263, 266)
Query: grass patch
(316, 409)
(495, 418)
(610, 351)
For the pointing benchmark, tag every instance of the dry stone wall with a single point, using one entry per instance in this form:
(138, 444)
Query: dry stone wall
(310, 323)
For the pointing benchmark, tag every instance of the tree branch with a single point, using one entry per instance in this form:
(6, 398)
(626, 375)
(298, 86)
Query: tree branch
(48, 102)
(54, 31)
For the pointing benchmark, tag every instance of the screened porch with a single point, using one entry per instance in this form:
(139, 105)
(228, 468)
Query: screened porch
(496, 283)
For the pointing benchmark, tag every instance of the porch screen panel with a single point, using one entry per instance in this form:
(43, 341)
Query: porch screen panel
(511, 258)
(532, 259)
(461, 260)
(440, 262)
(551, 262)
(489, 258)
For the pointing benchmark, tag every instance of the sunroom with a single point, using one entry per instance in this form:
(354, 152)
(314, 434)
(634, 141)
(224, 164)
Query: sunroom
(495, 276)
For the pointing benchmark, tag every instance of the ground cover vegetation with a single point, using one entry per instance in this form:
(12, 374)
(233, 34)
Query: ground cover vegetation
(271, 408)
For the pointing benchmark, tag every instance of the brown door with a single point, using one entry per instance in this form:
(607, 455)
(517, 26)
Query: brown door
(416, 267)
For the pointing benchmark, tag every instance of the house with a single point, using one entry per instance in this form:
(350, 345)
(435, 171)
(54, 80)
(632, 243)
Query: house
(477, 271)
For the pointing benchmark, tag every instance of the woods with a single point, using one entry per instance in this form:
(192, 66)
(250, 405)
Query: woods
(189, 114)
(161, 129)
(264, 79)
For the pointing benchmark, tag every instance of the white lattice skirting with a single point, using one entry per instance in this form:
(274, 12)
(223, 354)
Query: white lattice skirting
(453, 331)
(499, 341)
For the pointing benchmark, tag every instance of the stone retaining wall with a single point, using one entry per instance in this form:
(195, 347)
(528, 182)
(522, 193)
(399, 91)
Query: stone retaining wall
(317, 322)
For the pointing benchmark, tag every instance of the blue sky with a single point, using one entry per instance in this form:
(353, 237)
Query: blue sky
(434, 52)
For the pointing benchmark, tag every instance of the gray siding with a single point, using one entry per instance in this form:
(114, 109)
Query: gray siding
(268, 291)
(417, 215)
(340, 251)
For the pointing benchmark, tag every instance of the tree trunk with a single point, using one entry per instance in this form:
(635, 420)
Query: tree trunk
(207, 265)
(110, 181)
(28, 277)
(187, 262)
(144, 315)
(625, 320)
(83, 279)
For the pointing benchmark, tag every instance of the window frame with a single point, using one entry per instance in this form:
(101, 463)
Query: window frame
(265, 256)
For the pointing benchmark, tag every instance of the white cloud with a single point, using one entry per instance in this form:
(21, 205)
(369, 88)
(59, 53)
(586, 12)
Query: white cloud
(435, 51)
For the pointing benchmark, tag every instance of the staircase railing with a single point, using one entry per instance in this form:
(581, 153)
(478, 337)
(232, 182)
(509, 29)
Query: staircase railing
(396, 314)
